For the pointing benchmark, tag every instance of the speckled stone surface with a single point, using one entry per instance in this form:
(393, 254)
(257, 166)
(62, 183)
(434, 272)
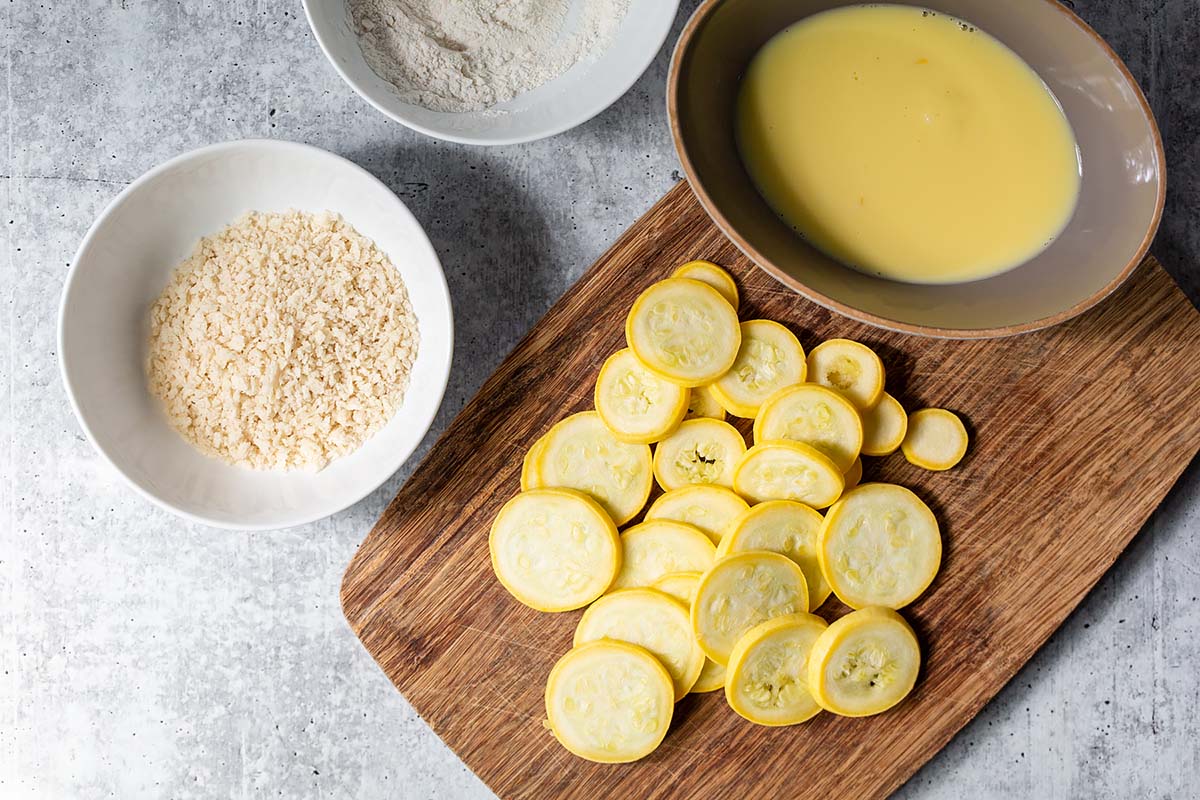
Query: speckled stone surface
(141, 656)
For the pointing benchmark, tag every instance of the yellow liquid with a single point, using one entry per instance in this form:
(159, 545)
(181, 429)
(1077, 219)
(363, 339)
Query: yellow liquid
(907, 144)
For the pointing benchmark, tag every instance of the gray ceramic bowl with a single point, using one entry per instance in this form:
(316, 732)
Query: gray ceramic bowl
(1121, 196)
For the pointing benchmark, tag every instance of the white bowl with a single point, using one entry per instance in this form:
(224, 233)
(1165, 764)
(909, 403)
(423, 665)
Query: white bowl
(125, 261)
(571, 99)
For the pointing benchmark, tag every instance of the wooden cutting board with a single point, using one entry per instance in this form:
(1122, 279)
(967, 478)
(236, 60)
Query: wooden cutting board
(1078, 433)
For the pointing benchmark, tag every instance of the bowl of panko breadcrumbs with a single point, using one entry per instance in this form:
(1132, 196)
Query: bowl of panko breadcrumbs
(256, 334)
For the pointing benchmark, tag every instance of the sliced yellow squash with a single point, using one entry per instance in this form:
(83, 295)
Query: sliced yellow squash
(769, 359)
(884, 427)
(785, 470)
(738, 593)
(699, 451)
(637, 405)
(713, 275)
(650, 619)
(864, 663)
(768, 671)
(581, 453)
(659, 547)
(936, 439)
(554, 549)
(816, 416)
(785, 527)
(684, 330)
(682, 586)
(848, 367)
(529, 477)
(879, 546)
(609, 702)
(701, 403)
(853, 475)
(710, 508)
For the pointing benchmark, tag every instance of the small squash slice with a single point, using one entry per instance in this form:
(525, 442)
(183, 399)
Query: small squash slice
(785, 527)
(815, 415)
(701, 403)
(738, 593)
(581, 453)
(609, 702)
(684, 330)
(936, 439)
(769, 359)
(659, 547)
(884, 427)
(853, 475)
(848, 367)
(785, 470)
(713, 275)
(554, 549)
(699, 451)
(768, 671)
(879, 546)
(650, 619)
(529, 477)
(682, 586)
(638, 406)
(864, 663)
(710, 508)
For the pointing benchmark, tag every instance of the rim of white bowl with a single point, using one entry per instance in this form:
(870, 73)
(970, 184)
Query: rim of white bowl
(300, 519)
(587, 114)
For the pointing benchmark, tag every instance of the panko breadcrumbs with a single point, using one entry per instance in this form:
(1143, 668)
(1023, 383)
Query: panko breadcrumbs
(281, 342)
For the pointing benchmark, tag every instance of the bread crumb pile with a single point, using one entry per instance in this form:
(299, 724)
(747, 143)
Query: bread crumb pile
(282, 342)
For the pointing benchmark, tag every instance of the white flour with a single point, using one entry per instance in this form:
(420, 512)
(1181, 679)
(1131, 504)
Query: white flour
(468, 55)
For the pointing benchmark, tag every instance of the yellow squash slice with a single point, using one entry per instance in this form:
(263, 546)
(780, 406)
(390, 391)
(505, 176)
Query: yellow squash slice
(785, 527)
(884, 427)
(682, 586)
(936, 439)
(768, 671)
(659, 547)
(554, 549)
(638, 406)
(853, 475)
(769, 359)
(609, 702)
(786, 470)
(738, 593)
(864, 663)
(713, 275)
(529, 477)
(879, 546)
(848, 367)
(710, 508)
(699, 451)
(650, 619)
(701, 403)
(580, 453)
(684, 330)
(815, 415)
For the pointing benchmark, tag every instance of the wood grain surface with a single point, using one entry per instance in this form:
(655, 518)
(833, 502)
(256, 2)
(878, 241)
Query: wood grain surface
(1078, 432)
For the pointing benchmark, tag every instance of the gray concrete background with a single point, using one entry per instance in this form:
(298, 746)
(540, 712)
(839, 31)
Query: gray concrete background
(141, 656)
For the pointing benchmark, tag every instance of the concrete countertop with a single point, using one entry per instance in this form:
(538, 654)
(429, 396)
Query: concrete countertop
(141, 656)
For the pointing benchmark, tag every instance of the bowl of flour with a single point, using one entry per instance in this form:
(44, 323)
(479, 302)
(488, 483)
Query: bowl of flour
(491, 72)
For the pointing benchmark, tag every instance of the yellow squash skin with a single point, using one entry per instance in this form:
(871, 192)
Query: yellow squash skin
(864, 663)
(622, 683)
(767, 676)
(712, 274)
(936, 439)
(879, 546)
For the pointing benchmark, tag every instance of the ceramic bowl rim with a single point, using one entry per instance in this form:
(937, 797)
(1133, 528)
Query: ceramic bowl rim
(388, 468)
(589, 113)
(674, 88)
